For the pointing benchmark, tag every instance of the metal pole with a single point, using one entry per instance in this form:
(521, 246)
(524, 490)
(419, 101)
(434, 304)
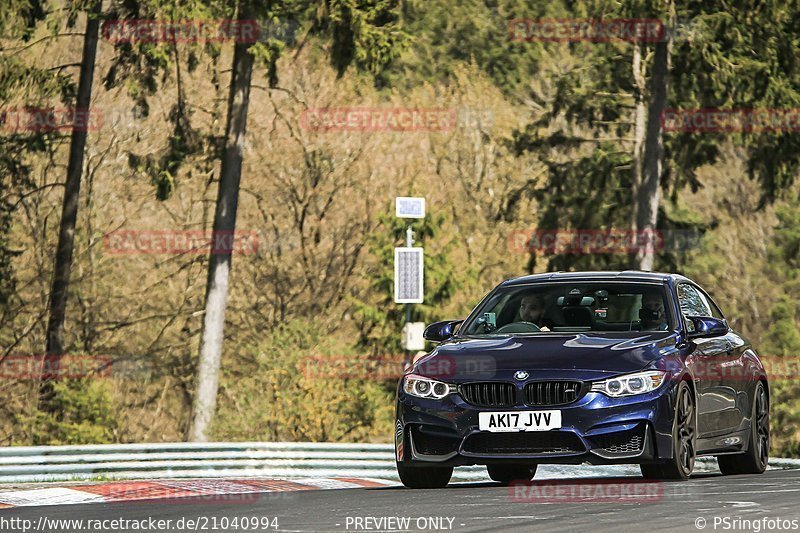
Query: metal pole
(409, 244)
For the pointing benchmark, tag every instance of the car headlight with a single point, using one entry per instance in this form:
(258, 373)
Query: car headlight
(630, 384)
(425, 387)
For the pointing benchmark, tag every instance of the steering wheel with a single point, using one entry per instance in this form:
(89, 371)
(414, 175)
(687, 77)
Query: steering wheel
(518, 327)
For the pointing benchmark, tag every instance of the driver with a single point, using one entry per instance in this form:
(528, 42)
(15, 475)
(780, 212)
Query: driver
(531, 309)
(653, 314)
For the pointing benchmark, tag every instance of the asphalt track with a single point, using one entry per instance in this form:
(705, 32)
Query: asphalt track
(545, 505)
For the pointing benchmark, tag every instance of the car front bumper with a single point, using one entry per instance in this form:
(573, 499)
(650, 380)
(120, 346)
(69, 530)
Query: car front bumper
(594, 429)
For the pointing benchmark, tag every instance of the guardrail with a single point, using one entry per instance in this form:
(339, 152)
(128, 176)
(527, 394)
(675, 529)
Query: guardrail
(244, 459)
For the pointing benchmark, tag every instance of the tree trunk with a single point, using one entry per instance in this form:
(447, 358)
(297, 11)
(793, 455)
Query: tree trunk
(219, 266)
(639, 125)
(69, 212)
(650, 189)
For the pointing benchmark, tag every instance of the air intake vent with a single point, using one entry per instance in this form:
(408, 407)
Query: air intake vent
(434, 441)
(623, 442)
(524, 443)
(541, 393)
(489, 393)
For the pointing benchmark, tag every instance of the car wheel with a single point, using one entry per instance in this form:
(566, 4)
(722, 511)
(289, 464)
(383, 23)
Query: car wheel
(506, 474)
(755, 459)
(424, 477)
(684, 437)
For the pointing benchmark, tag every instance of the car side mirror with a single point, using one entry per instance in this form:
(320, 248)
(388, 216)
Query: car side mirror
(707, 326)
(441, 331)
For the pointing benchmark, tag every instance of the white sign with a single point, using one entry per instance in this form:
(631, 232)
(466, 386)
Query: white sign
(406, 207)
(412, 336)
(408, 274)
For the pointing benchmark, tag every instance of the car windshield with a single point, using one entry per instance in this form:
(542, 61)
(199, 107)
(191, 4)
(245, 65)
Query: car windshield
(560, 307)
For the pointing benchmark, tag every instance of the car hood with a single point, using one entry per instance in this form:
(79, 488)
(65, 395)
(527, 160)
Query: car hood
(582, 356)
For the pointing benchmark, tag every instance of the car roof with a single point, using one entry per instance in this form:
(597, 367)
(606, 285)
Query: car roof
(615, 275)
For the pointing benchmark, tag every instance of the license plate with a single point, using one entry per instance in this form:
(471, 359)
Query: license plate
(519, 421)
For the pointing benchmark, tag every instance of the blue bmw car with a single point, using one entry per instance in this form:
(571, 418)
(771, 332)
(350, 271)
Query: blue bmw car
(584, 367)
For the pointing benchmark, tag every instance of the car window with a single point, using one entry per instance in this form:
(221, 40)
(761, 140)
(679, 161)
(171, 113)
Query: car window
(715, 311)
(572, 307)
(692, 303)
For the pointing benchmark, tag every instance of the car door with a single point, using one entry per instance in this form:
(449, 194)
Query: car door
(733, 374)
(714, 401)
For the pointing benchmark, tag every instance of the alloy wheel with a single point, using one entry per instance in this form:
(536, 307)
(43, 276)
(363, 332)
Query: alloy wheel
(762, 426)
(687, 429)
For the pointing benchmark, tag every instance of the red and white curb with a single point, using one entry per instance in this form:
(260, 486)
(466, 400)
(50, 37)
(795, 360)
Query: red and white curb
(192, 490)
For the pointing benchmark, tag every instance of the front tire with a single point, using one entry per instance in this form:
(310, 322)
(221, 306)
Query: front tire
(755, 459)
(684, 438)
(424, 477)
(506, 474)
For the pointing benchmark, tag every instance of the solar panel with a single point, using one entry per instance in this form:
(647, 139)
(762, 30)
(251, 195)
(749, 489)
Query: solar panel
(406, 207)
(408, 275)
